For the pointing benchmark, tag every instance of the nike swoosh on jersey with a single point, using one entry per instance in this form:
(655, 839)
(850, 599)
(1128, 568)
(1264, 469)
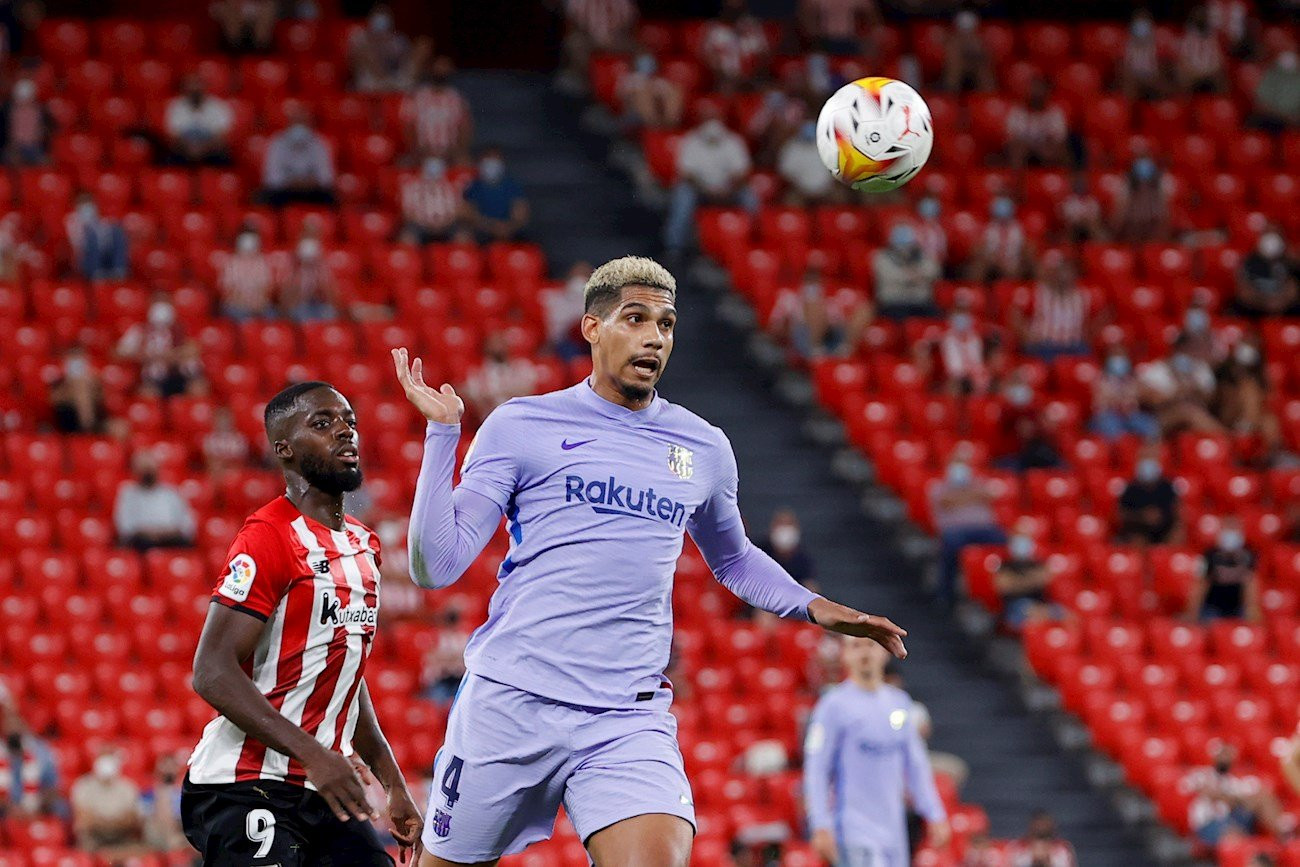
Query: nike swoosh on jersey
(566, 445)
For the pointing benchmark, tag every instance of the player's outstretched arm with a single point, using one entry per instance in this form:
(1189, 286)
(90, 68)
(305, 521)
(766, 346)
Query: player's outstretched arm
(448, 529)
(229, 638)
(849, 621)
(373, 748)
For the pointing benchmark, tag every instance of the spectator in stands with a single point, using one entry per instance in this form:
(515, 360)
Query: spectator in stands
(1231, 22)
(649, 99)
(308, 292)
(1228, 584)
(161, 807)
(98, 243)
(246, 283)
(982, 851)
(437, 117)
(1242, 401)
(150, 513)
(500, 377)
(1079, 213)
(1266, 283)
(1277, 96)
(962, 507)
(967, 65)
(1226, 805)
(225, 448)
(1002, 252)
(734, 47)
(1041, 846)
(1149, 504)
(443, 668)
(1199, 338)
(904, 276)
(1116, 407)
(1178, 390)
(784, 544)
(1142, 74)
(1059, 324)
(1037, 134)
(431, 204)
(814, 324)
(106, 809)
(15, 250)
(779, 117)
(1021, 582)
(931, 236)
(382, 58)
(964, 355)
(169, 362)
(25, 126)
(198, 125)
(712, 168)
(807, 183)
(77, 396)
(299, 168)
(495, 202)
(594, 26)
(838, 26)
(1142, 208)
(246, 25)
(1029, 436)
(1200, 66)
(29, 777)
(564, 307)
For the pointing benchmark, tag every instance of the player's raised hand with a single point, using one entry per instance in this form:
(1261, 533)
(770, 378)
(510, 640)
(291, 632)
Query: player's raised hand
(439, 405)
(849, 621)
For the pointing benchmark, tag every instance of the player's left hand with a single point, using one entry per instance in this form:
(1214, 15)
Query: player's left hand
(406, 820)
(849, 621)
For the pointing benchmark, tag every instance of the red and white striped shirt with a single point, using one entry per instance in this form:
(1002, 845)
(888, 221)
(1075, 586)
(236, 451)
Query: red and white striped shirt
(430, 204)
(1058, 317)
(438, 115)
(318, 591)
(246, 282)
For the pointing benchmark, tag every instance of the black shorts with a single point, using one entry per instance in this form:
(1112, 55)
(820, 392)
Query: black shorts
(272, 824)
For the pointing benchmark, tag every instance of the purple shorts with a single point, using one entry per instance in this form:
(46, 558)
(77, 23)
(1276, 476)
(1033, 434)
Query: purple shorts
(511, 758)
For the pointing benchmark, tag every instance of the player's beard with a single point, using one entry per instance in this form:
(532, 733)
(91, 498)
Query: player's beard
(635, 391)
(330, 479)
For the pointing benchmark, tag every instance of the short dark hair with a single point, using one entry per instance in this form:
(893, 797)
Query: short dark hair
(282, 405)
(606, 284)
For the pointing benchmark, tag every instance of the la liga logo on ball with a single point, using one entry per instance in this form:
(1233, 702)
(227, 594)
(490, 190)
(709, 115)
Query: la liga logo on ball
(875, 134)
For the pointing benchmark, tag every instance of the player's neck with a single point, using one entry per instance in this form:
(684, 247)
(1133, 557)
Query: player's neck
(871, 683)
(606, 389)
(321, 507)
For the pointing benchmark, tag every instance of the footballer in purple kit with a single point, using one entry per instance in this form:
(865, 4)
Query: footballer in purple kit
(565, 700)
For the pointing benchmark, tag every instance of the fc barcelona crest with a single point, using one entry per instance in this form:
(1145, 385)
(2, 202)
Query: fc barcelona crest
(680, 461)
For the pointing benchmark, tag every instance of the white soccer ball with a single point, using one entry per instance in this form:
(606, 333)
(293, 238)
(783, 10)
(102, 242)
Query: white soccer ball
(875, 134)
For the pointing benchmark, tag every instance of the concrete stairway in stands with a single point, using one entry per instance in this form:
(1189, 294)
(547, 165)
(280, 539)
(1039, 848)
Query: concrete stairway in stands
(582, 209)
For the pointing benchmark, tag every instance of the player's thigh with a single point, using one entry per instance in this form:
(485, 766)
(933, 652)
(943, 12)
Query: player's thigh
(429, 860)
(346, 844)
(241, 829)
(649, 840)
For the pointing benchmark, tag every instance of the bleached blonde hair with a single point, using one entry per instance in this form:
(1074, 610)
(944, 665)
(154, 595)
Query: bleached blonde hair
(607, 282)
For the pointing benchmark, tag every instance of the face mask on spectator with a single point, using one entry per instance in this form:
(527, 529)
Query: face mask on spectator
(1003, 208)
(1021, 547)
(712, 130)
(1245, 354)
(25, 90)
(1230, 539)
(1182, 363)
(1271, 245)
(1148, 470)
(87, 211)
(434, 168)
(928, 208)
(1288, 60)
(1144, 169)
(1141, 28)
(1118, 366)
(965, 20)
(381, 22)
(492, 169)
(808, 132)
(646, 65)
(785, 537)
(1196, 321)
(161, 314)
(299, 133)
(819, 65)
(959, 473)
(107, 766)
(248, 242)
(902, 237)
(1020, 394)
(960, 322)
(75, 368)
(309, 249)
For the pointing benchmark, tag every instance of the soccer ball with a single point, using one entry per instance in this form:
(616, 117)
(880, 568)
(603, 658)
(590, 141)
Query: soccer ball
(874, 134)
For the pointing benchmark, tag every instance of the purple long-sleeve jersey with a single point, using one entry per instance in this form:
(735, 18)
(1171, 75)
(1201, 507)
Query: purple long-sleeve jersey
(596, 498)
(862, 756)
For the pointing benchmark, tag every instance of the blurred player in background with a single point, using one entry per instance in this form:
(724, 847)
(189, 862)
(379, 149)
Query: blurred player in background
(863, 757)
(274, 779)
(566, 699)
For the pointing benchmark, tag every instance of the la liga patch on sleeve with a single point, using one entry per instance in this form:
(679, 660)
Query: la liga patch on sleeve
(239, 578)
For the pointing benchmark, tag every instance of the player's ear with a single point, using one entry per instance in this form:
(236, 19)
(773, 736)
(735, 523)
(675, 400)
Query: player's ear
(282, 450)
(590, 328)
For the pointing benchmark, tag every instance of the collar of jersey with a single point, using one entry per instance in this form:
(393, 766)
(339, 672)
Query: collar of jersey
(610, 410)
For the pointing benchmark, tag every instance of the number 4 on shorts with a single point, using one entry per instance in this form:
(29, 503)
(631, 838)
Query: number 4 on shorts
(451, 781)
